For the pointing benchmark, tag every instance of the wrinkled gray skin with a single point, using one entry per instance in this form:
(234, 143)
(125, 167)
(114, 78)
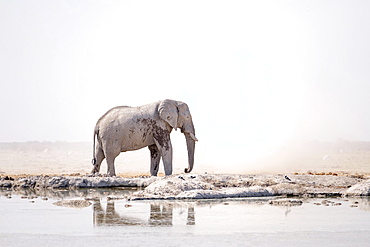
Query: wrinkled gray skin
(125, 128)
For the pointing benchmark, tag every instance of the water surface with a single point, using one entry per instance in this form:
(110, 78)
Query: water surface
(27, 218)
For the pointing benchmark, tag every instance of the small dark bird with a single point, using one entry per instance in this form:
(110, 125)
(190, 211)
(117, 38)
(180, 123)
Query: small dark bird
(286, 177)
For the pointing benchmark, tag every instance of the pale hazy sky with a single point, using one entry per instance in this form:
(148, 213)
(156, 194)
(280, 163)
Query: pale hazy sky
(254, 73)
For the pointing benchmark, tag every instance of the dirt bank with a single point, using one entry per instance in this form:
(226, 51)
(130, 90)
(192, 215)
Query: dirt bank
(205, 186)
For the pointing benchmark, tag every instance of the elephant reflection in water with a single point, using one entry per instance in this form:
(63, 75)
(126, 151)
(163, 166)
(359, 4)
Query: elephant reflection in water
(191, 216)
(160, 215)
(110, 217)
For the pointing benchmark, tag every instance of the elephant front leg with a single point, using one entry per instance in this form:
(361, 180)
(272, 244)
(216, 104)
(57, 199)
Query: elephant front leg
(167, 160)
(155, 157)
(165, 149)
(162, 140)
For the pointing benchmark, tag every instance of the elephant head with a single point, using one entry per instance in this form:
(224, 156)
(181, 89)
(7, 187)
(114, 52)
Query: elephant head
(177, 115)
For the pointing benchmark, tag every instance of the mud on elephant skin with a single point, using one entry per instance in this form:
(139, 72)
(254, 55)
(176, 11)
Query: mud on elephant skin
(125, 128)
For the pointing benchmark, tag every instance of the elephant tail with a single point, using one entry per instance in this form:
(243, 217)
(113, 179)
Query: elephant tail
(96, 131)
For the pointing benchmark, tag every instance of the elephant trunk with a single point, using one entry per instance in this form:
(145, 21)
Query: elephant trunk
(190, 143)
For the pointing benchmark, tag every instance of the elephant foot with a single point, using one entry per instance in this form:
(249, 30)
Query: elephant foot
(110, 175)
(95, 170)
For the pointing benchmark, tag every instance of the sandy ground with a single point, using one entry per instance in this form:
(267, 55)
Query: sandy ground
(57, 158)
(62, 158)
(305, 168)
(313, 168)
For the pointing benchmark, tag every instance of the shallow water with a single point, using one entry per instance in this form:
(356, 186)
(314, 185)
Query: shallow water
(28, 221)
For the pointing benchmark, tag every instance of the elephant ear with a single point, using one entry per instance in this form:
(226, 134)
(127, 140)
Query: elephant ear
(183, 108)
(168, 112)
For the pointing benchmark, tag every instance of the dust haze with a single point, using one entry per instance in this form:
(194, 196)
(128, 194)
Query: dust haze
(297, 156)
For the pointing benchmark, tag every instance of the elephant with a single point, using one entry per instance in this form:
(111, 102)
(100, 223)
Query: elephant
(126, 128)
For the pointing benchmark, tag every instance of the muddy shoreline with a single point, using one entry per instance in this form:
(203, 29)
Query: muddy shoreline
(203, 186)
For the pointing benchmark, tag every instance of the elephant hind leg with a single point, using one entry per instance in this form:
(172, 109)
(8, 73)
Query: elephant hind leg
(111, 169)
(155, 157)
(99, 157)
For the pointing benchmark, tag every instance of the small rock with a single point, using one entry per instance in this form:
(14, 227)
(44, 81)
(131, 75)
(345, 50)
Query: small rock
(308, 195)
(286, 202)
(110, 198)
(92, 198)
(73, 203)
(324, 202)
(8, 178)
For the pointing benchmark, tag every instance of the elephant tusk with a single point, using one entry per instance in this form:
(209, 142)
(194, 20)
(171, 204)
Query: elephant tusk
(193, 137)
